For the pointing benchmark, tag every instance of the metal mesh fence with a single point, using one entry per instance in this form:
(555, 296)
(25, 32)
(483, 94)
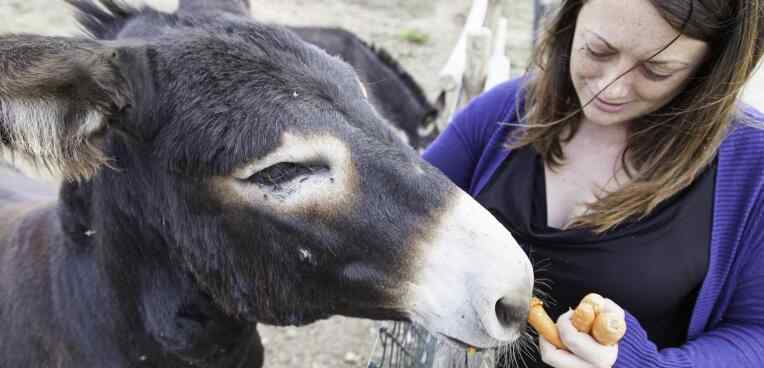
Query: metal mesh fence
(405, 345)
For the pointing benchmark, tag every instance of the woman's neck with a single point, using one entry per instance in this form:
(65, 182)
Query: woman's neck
(592, 168)
(611, 137)
(597, 150)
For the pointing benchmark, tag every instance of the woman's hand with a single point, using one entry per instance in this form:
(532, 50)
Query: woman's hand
(584, 351)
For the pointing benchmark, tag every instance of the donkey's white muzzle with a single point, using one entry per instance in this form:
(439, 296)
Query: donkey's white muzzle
(474, 282)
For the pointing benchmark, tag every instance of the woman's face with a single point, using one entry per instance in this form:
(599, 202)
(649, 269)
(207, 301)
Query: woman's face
(613, 36)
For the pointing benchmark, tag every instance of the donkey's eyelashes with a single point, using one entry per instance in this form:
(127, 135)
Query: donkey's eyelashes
(279, 173)
(283, 172)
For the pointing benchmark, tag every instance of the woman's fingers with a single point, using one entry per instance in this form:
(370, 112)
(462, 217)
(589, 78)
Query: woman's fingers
(583, 345)
(559, 358)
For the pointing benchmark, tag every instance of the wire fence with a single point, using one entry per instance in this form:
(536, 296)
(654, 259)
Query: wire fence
(405, 345)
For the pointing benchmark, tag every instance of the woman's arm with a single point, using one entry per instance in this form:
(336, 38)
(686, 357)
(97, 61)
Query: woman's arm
(457, 150)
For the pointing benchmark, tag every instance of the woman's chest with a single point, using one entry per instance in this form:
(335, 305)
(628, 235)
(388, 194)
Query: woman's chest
(569, 188)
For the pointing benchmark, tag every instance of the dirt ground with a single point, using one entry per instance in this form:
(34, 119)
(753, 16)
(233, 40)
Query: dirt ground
(337, 342)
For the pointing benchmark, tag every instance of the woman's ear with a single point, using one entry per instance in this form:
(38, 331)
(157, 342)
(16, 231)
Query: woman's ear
(56, 95)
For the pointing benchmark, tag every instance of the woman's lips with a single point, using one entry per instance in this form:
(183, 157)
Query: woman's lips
(607, 106)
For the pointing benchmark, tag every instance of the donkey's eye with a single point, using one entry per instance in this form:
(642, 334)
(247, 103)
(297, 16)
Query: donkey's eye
(280, 173)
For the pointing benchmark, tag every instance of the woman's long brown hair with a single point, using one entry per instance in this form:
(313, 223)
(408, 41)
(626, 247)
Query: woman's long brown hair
(666, 150)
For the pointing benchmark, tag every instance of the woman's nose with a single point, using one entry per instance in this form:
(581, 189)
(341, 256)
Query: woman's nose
(615, 85)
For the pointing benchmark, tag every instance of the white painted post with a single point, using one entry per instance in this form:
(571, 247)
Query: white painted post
(478, 50)
(499, 66)
(495, 11)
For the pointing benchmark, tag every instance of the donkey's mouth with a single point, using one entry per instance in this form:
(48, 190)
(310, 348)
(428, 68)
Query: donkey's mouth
(458, 343)
(373, 313)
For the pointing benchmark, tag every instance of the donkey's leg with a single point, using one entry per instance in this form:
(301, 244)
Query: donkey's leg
(206, 6)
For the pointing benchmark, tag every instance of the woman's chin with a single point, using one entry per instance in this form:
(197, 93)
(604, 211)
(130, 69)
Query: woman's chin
(601, 118)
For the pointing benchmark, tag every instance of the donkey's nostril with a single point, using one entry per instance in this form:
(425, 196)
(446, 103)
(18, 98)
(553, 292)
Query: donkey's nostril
(510, 314)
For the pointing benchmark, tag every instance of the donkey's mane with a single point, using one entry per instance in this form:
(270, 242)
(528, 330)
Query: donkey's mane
(393, 64)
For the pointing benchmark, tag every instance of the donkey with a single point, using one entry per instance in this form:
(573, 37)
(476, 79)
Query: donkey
(392, 90)
(221, 173)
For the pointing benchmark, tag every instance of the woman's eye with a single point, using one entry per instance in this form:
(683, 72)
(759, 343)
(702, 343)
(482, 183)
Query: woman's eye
(653, 75)
(597, 54)
(279, 173)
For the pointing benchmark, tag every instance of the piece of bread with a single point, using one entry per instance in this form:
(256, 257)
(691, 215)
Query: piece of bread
(583, 317)
(590, 317)
(608, 328)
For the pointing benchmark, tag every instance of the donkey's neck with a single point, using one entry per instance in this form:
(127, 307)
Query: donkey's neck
(151, 310)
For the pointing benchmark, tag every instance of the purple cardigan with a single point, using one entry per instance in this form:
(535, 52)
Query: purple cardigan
(727, 324)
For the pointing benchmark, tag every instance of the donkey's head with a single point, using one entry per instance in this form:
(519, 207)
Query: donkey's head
(257, 165)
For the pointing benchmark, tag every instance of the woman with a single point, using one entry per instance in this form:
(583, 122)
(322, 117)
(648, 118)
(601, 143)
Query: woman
(624, 165)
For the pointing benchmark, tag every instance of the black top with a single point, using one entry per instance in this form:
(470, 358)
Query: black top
(653, 268)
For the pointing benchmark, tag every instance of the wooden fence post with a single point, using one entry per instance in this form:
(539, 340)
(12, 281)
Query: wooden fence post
(478, 50)
(473, 58)
(452, 74)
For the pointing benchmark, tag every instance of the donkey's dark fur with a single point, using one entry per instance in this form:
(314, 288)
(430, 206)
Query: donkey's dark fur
(392, 90)
(220, 173)
(143, 265)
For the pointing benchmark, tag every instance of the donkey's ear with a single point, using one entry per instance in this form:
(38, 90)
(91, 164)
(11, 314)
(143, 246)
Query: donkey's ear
(56, 96)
